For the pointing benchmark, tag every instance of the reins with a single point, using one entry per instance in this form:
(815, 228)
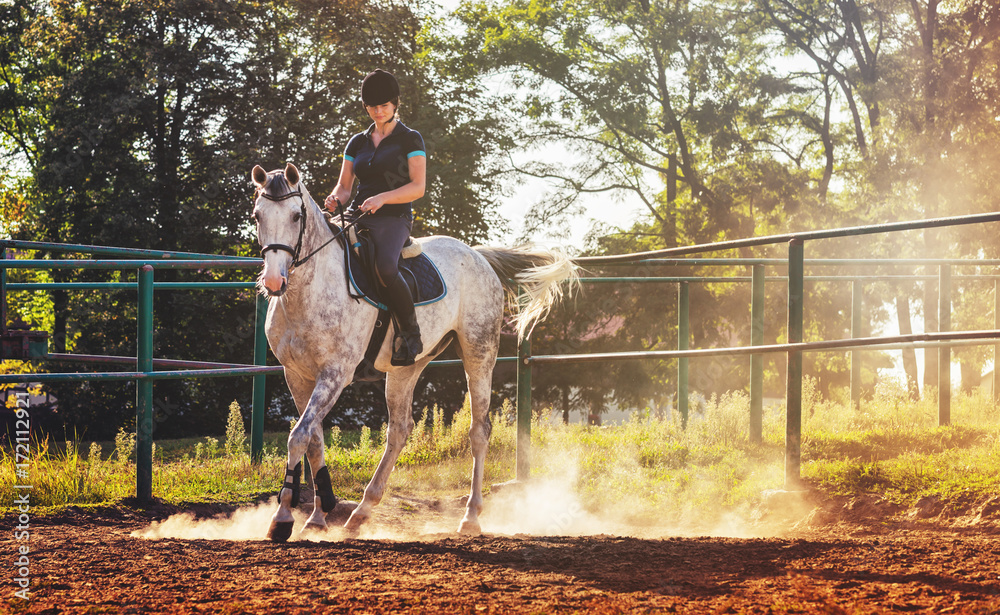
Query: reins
(337, 235)
(296, 261)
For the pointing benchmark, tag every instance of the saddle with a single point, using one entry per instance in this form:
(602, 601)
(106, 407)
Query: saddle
(418, 270)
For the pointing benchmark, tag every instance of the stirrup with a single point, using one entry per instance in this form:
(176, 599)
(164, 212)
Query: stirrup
(406, 345)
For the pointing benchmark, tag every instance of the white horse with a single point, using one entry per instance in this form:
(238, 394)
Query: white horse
(319, 334)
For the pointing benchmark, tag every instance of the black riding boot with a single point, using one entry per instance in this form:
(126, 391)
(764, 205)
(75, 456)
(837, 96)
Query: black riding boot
(406, 345)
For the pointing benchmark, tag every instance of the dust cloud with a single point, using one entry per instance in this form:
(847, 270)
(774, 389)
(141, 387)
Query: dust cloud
(543, 506)
(249, 523)
(550, 506)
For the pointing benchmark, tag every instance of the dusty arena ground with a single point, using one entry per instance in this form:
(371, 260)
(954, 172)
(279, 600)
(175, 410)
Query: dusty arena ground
(847, 556)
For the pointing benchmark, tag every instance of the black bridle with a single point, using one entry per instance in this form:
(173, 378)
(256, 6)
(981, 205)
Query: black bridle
(275, 247)
(281, 247)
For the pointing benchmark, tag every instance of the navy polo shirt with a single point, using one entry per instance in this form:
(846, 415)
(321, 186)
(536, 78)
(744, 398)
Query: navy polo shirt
(383, 168)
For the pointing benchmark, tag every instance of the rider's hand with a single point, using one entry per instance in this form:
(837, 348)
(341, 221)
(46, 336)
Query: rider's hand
(331, 202)
(372, 204)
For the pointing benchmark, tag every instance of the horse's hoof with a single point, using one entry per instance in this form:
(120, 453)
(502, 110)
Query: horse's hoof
(313, 528)
(280, 531)
(469, 527)
(355, 522)
(341, 512)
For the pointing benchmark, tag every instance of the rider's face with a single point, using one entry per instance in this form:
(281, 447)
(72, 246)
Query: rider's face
(381, 114)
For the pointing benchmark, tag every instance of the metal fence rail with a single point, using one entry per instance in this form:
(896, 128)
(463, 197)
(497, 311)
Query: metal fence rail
(145, 371)
(795, 266)
(803, 236)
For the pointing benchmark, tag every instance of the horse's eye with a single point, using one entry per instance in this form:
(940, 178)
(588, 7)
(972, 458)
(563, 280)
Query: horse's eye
(296, 217)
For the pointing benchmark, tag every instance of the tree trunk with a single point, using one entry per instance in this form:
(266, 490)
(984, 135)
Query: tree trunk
(670, 224)
(930, 196)
(909, 354)
(930, 326)
(60, 308)
(972, 375)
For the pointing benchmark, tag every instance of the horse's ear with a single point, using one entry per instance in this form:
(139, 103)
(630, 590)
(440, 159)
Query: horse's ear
(291, 174)
(259, 176)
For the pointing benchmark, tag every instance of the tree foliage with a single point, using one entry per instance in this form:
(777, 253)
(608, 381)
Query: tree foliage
(136, 123)
(733, 119)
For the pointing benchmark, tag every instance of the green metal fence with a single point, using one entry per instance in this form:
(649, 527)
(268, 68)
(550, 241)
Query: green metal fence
(145, 263)
(795, 265)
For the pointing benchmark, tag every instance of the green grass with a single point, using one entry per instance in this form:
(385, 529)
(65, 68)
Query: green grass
(894, 448)
(648, 470)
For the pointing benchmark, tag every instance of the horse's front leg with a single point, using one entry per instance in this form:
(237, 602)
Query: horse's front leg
(399, 398)
(324, 499)
(307, 438)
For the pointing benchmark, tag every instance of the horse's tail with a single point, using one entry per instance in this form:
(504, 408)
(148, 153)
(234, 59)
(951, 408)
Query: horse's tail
(532, 279)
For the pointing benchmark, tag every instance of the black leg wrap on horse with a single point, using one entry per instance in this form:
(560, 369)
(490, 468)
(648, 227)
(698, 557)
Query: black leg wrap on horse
(324, 489)
(293, 484)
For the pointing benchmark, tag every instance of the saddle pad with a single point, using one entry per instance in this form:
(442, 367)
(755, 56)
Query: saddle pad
(419, 272)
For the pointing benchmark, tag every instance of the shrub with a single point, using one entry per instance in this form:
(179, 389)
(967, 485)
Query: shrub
(236, 435)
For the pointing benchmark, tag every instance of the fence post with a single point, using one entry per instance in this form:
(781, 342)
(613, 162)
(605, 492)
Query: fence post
(857, 303)
(259, 381)
(144, 389)
(793, 383)
(757, 360)
(3, 290)
(996, 348)
(523, 451)
(944, 352)
(683, 337)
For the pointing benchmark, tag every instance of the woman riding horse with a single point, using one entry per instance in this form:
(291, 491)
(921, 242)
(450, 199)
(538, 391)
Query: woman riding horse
(390, 163)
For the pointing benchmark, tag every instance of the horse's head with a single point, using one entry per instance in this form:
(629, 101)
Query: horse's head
(279, 211)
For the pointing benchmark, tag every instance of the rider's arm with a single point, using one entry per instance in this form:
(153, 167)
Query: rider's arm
(345, 184)
(343, 188)
(417, 166)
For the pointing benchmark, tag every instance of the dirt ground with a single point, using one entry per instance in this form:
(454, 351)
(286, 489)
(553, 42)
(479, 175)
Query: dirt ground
(849, 556)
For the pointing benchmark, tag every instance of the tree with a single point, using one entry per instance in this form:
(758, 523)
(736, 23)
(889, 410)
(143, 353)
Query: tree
(919, 71)
(644, 97)
(670, 103)
(136, 124)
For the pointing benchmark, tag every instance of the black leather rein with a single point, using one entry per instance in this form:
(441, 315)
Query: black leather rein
(281, 247)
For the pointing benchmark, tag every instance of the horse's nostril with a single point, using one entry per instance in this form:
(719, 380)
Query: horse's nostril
(279, 292)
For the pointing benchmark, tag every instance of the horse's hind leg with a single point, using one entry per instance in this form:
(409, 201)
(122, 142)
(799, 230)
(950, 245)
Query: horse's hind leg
(480, 377)
(399, 386)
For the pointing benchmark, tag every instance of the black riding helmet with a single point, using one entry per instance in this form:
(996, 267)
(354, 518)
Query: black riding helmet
(378, 88)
